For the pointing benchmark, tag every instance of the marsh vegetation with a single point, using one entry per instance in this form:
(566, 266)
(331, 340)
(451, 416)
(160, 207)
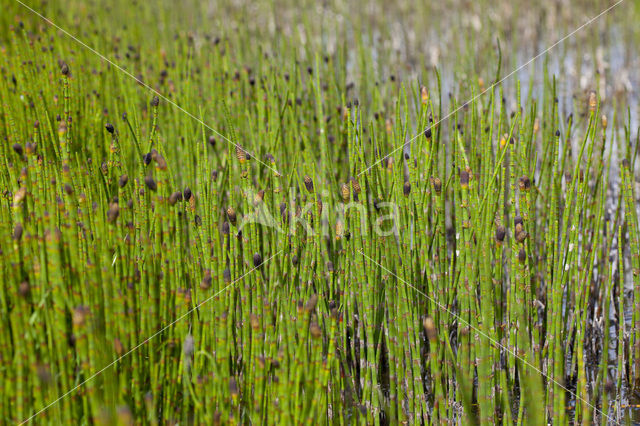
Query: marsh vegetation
(319, 212)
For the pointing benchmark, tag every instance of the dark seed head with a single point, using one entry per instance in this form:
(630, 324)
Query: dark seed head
(464, 179)
(151, 183)
(123, 181)
(109, 128)
(17, 148)
(345, 192)
(258, 197)
(147, 159)
(226, 274)
(161, 163)
(522, 255)
(225, 228)
(113, 212)
(524, 183)
(517, 220)
(315, 331)
(254, 321)
(24, 288)
(30, 148)
(521, 236)
(308, 183)
(257, 260)
(427, 133)
(187, 194)
(231, 214)
(519, 228)
(64, 69)
(406, 189)
(241, 154)
(557, 133)
(205, 284)
(500, 233)
(17, 232)
(437, 185)
(233, 387)
(155, 101)
(356, 186)
(175, 197)
(311, 303)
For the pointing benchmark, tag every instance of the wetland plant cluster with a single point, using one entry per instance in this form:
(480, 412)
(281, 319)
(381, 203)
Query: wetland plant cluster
(481, 273)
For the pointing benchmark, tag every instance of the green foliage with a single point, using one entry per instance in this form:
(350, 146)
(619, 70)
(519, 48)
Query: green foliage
(286, 268)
